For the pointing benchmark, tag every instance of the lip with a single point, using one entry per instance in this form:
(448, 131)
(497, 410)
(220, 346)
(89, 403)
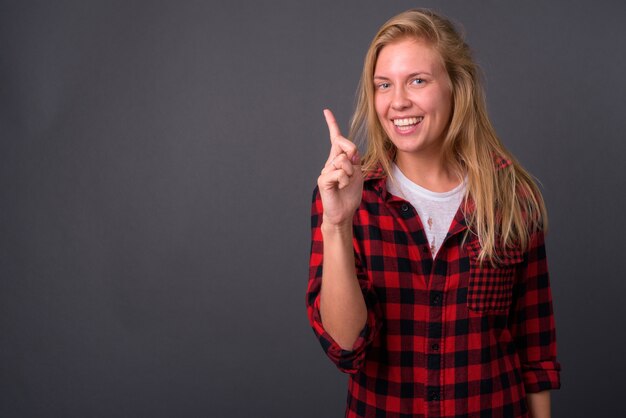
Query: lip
(405, 116)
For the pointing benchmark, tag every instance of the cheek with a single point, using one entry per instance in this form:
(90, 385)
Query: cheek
(447, 108)
(380, 107)
(446, 102)
(441, 104)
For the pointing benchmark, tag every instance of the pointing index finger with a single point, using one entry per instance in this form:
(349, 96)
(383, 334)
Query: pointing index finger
(333, 127)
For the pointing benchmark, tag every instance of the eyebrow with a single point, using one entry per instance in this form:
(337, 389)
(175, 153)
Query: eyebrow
(380, 77)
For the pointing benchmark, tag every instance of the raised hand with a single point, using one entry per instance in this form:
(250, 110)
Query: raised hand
(341, 180)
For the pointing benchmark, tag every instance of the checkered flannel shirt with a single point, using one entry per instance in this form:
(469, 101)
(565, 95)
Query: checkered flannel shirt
(445, 337)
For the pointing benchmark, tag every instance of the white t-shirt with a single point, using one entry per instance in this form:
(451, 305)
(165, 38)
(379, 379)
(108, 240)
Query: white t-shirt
(436, 210)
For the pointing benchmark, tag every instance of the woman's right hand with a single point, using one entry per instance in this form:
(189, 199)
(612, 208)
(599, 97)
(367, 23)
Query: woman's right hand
(341, 181)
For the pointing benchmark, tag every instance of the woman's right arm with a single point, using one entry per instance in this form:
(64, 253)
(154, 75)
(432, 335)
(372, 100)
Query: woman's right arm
(342, 306)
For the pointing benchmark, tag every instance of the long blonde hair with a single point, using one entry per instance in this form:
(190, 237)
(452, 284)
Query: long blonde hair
(507, 204)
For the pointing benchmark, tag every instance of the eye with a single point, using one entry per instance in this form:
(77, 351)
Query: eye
(418, 81)
(383, 86)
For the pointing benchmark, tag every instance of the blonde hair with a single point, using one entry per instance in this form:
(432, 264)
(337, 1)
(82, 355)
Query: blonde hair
(507, 204)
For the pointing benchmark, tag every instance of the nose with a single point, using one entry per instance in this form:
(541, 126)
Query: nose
(400, 99)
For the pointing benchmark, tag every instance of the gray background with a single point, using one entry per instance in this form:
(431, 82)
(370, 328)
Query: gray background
(156, 166)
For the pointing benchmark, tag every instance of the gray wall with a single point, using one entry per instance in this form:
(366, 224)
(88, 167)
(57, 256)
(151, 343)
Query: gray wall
(156, 165)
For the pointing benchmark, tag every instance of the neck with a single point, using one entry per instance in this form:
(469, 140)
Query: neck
(430, 172)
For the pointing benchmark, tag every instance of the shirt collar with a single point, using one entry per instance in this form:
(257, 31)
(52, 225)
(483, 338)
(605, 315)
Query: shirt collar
(377, 179)
(377, 173)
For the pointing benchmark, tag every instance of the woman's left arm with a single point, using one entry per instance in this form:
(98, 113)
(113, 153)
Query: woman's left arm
(531, 323)
(539, 404)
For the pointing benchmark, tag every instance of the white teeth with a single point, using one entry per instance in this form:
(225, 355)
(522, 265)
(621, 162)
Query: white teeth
(407, 121)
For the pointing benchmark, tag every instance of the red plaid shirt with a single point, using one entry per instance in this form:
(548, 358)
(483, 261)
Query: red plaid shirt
(445, 337)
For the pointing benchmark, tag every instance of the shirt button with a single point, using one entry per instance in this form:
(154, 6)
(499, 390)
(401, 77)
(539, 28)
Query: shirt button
(435, 347)
(404, 207)
(435, 299)
(433, 396)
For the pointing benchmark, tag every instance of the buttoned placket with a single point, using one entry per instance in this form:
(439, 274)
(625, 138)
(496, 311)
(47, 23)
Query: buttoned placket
(434, 274)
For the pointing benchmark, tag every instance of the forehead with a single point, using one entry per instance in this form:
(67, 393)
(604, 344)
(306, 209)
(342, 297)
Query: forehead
(408, 55)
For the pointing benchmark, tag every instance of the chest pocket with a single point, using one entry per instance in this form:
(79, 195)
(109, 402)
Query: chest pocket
(490, 287)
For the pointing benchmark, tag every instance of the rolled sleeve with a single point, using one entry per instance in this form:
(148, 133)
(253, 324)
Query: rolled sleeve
(348, 361)
(532, 320)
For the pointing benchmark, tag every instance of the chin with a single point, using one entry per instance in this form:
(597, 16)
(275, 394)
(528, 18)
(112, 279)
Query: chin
(407, 145)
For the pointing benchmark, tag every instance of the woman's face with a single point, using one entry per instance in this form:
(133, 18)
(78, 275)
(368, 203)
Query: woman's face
(412, 96)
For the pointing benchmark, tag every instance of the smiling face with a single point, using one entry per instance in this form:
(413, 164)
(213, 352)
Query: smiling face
(412, 97)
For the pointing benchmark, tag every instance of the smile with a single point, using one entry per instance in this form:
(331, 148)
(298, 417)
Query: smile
(407, 123)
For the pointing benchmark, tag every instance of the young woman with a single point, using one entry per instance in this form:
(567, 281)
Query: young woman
(428, 273)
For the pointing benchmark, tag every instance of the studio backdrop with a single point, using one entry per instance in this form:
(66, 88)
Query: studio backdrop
(157, 160)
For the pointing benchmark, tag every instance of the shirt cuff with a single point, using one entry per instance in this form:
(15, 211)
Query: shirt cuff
(348, 361)
(545, 375)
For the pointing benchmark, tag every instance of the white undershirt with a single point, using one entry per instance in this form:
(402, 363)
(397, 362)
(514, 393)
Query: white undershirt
(436, 210)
